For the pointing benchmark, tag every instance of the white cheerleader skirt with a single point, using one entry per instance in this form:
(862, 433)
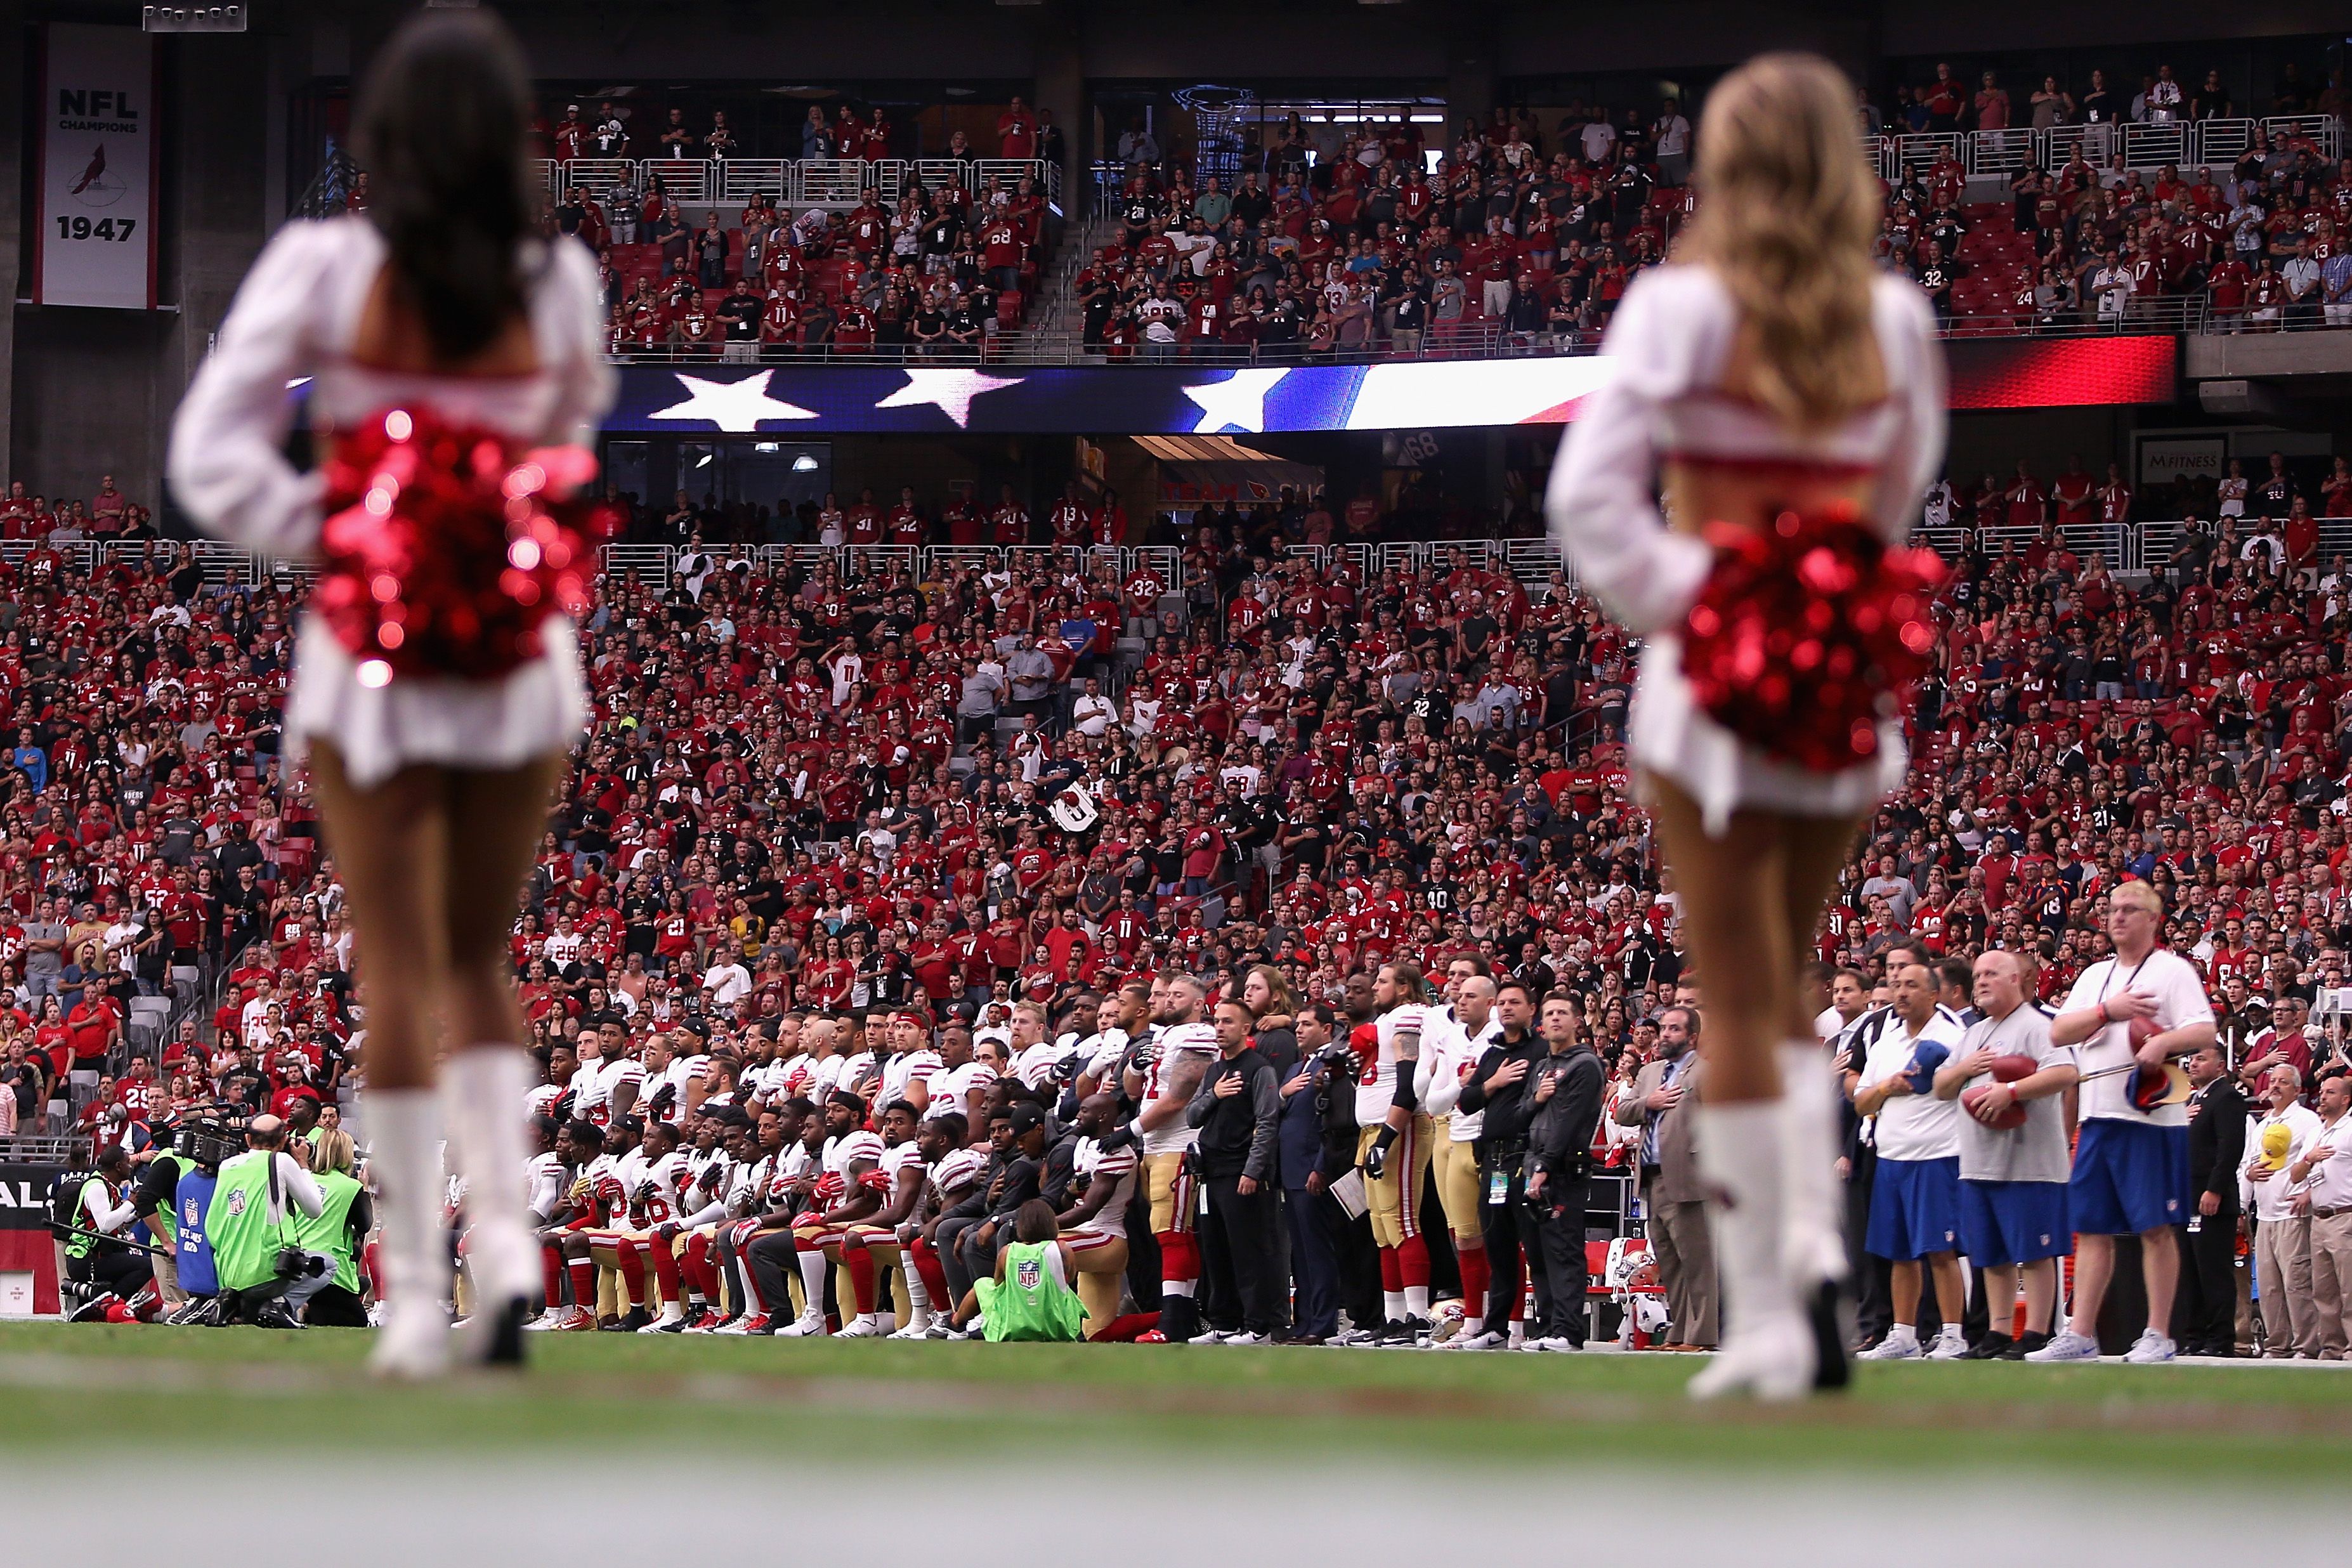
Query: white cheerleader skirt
(539, 708)
(1669, 735)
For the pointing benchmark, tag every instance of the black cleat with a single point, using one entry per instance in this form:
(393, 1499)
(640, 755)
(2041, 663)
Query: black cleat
(1832, 1328)
(506, 1334)
(1994, 1346)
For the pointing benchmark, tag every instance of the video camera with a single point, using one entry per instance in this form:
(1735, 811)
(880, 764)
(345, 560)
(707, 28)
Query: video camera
(211, 1141)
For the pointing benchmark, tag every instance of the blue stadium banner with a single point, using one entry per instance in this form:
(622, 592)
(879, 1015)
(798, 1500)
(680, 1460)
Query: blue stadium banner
(847, 397)
(1140, 400)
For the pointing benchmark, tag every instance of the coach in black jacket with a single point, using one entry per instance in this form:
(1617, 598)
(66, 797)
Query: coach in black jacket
(2205, 1314)
(1498, 1086)
(1237, 1109)
(1566, 1094)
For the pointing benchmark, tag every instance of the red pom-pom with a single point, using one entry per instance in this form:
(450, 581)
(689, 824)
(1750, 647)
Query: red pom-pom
(445, 548)
(1808, 633)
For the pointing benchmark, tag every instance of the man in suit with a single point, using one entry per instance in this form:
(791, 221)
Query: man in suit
(1299, 1159)
(2204, 1319)
(1660, 1105)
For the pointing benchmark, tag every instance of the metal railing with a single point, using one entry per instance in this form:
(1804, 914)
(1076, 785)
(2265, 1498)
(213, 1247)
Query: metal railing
(2142, 145)
(2125, 547)
(795, 182)
(659, 563)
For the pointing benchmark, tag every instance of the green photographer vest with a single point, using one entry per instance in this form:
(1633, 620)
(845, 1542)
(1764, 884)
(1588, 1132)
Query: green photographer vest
(245, 1243)
(330, 1233)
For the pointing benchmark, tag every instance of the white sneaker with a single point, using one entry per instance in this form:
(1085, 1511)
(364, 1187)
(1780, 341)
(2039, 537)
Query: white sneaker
(2072, 1346)
(1487, 1340)
(1950, 1345)
(665, 1324)
(913, 1332)
(810, 1322)
(1901, 1344)
(860, 1329)
(1243, 1337)
(2152, 1349)
(1208, 1337)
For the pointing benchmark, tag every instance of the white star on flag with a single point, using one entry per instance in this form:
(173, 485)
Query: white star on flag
(1236, 403)
(735, 407)
(949, 391)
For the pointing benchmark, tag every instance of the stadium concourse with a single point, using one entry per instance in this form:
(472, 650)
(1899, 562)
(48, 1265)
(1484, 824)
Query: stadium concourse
(867, 881)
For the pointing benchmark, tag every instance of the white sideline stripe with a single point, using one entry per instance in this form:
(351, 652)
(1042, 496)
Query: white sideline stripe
(462, 1512)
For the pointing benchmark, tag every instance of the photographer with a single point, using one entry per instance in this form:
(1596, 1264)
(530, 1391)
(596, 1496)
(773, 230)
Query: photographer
(338, 1231)
(104, 1208)
(254, 1247)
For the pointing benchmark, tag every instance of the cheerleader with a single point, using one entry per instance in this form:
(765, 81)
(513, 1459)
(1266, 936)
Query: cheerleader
(455, 372)
(1788, 399)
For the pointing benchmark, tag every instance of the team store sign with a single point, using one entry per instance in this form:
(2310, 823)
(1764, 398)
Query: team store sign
(95, 219)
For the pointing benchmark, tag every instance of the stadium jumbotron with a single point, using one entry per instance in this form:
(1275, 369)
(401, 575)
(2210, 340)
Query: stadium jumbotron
(1240, 725)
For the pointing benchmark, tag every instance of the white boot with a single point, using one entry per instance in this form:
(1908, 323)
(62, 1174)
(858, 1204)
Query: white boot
(1813, 1227)
(1768, 1346)
(404, 1129)
(482, 1093)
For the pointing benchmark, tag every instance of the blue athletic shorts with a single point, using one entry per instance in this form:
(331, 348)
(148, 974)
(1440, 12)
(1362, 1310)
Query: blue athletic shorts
(1915, 1209)
(2013, 1222)
(2129, 1177)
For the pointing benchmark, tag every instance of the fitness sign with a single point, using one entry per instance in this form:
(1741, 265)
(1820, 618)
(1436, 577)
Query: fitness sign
(96, 218)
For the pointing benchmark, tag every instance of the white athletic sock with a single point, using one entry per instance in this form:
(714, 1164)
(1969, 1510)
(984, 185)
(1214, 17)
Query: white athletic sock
(1392, 1306)
(404, 1141)
(1416, 1302)
(812, 1264)
(482, 1093)
(918, 1295)
(1176, 1286)
(673, 1313)
(1813, 1229)
(1472, 1324)
(1739, 1156)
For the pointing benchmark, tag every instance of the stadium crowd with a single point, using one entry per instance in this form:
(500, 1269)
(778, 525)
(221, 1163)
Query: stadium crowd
(887, 924)
(1353, 238)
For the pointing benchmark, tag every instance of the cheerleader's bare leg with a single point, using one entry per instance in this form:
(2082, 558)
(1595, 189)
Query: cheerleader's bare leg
(1766, 1130)
(431, 859)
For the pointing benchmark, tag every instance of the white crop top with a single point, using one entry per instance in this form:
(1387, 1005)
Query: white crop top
(1667, 345)
(295, 315)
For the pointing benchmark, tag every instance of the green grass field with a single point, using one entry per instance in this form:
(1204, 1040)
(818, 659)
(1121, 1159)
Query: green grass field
(266, 1389)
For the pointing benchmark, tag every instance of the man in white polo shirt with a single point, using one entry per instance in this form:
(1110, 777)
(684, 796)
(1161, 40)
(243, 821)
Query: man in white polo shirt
(1915, 1203)
(2131, 1166)
(2274, 1170)
(2013, 1223)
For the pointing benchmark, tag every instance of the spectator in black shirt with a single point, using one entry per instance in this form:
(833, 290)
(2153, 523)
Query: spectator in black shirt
(740, 311)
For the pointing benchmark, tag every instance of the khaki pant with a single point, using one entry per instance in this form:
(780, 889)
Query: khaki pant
(1684, 1250)
(2331, 1281)
(2290, 1315)
(167, 1276)
(1395, 1195)
(1458, 1188)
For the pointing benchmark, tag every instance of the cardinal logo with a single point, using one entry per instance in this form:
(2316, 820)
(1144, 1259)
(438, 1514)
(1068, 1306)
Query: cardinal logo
(97, 188)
